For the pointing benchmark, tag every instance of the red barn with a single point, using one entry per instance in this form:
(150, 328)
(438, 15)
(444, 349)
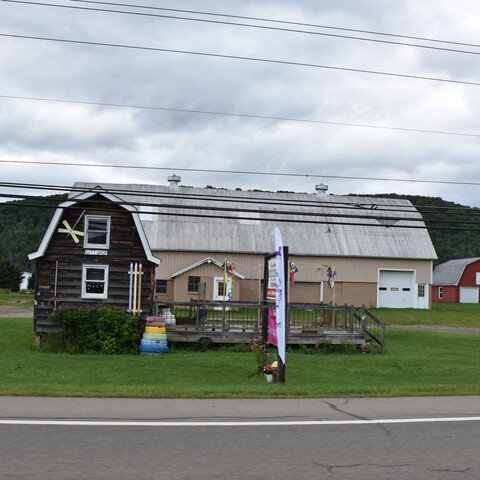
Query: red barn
(457, 281)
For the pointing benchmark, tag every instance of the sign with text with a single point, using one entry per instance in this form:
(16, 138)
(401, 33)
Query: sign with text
(272, 278)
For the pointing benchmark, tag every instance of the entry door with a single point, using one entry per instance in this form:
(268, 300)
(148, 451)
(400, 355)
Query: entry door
(221, 293)
(395, 289)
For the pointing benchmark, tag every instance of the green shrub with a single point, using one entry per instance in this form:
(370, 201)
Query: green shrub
(105, 330)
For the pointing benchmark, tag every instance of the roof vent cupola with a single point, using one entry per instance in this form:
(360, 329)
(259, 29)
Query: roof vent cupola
(321, 190)
(174, 181)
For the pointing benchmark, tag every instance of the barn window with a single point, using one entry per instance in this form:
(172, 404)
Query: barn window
(440, 292)
(161, 286)
(221, 291)
(97, 231)
(421, 290)
(193, 283)
(95, 281)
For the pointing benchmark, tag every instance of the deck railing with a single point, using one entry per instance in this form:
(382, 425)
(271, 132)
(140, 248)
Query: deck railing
(304, 317)
(371, 326)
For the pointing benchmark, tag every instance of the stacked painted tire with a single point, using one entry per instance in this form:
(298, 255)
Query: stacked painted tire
(168, 315)
(154, 339)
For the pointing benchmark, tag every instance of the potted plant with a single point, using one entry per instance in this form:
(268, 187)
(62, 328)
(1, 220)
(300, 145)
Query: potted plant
(268, 371)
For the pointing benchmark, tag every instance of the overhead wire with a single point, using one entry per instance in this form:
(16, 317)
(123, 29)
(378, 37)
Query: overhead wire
(284, 22)
(229, 196)
(223, 22)
(241, 172)
(278, 220)
(239, 57)
(240, 115)
(292, 213)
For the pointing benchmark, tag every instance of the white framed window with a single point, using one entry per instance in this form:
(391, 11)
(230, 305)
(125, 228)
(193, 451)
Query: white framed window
(97, 231)
(221, 291)
(477, 277)
(95, 281)
(440, 292)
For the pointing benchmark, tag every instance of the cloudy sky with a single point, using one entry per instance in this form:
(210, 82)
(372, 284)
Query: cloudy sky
(316, 126)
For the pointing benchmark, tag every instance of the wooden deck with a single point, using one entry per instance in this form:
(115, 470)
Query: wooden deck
(307, 324)
(191, 334)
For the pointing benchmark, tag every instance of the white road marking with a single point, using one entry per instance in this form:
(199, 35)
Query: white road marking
(259, 423)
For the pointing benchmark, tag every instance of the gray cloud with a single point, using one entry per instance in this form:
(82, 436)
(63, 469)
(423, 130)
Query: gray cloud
(39, 131)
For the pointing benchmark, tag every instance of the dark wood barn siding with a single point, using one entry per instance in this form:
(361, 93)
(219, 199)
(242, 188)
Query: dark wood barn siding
(125, 248)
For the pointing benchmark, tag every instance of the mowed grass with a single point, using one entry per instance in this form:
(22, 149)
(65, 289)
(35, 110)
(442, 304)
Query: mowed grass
(459, 315)
(416, 363)
(16, 299)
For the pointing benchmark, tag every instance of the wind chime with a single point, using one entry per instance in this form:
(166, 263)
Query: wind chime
(331, 272)
(135, 289)
(292, 271)
(228, 268)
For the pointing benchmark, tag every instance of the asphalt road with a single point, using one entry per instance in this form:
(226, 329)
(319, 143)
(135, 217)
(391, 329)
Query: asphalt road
(410, 438)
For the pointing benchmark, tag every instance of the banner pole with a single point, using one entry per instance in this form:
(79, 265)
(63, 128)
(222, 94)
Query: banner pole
(281, 364)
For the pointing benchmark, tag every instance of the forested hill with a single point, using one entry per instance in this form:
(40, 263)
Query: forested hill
(22, 226)
(446, 223)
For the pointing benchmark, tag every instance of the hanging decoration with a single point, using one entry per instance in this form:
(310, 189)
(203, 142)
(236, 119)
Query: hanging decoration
(331, 272)
(292, 271)
(71, 230)
(229, 268)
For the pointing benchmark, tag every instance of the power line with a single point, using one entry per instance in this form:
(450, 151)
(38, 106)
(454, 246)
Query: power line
(216, 208)
(284, 22)
(225, 197)
(241, 115)
(264, 27)
(238, 57)
(271, 219)
(288, 213)
(243, 172)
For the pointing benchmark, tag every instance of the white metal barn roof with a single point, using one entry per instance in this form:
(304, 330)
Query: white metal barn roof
(450, 273)
(169, 228)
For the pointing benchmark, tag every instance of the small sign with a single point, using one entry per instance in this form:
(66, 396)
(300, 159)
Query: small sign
(272, 279)
(96, 252)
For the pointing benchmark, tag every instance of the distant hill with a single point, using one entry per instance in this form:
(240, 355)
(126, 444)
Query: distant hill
(22, 227)
(445, 221)
(23, 224)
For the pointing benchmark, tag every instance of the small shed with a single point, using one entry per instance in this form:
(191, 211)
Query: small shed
(457, 281)
(87, 258)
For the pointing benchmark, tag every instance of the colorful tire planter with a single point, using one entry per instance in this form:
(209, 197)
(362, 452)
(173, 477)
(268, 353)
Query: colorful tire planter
(154, 339)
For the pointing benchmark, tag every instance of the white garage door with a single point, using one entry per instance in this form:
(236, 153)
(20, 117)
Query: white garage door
(468, 294)
(395, 289)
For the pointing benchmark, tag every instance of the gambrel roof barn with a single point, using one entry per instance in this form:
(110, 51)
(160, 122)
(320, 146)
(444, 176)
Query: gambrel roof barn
(380, 247)
(457, 281)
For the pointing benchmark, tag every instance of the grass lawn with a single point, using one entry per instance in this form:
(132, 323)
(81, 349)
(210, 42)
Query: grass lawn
(460, 315)
(416, 363)
(16, 299)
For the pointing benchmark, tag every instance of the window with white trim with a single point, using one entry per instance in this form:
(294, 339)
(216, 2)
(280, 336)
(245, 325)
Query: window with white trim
(477, 278)
(440, 292)
(97, 231)
(95, 281)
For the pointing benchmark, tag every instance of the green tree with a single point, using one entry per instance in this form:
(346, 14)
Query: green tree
(10, 275)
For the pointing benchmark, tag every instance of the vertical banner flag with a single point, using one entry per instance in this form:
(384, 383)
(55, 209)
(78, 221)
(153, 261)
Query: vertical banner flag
(280, 300)
(272, 327)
